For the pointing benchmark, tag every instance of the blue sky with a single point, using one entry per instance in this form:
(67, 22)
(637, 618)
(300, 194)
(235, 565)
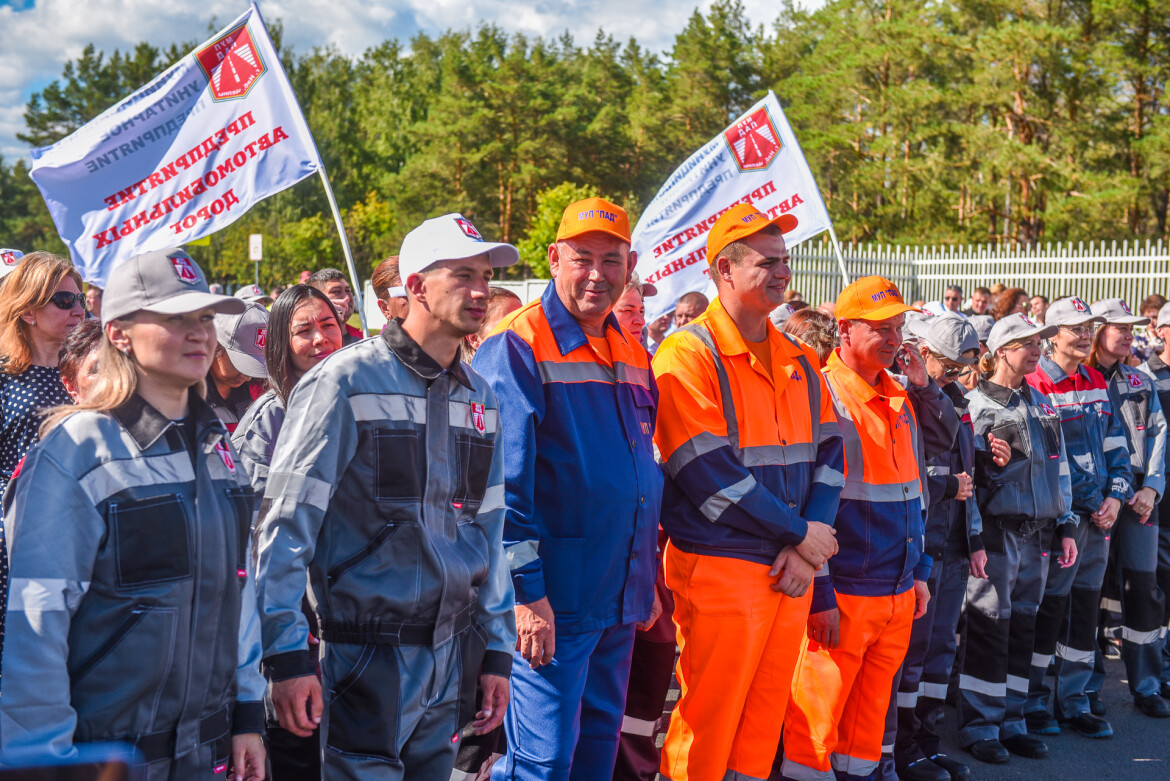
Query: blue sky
(37, 37)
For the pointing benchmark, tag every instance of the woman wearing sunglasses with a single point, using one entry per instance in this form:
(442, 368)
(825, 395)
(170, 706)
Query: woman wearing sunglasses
(40, 304)
(132, 615)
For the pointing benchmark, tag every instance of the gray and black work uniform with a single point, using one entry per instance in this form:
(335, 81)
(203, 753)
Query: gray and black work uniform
(926, 671)
(386, 484)
(1157, 368)
(1022, 506)
(132, 609)
(1130, 596)
(1098, 456)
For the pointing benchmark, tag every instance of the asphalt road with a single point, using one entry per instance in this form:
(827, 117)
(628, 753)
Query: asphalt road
(1139, 749)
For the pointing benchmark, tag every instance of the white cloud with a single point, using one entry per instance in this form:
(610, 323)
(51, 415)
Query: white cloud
(37, 38)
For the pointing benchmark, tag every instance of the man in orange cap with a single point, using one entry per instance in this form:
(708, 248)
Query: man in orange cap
(582, 494)
(754, 471)
(867, 597)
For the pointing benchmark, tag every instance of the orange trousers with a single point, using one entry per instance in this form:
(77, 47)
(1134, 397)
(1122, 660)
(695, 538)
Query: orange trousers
(837, 714)
(739, 643)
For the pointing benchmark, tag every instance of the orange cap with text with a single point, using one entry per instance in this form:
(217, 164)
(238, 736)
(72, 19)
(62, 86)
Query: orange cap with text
(739, 222)
(871, 298)
(594, 214)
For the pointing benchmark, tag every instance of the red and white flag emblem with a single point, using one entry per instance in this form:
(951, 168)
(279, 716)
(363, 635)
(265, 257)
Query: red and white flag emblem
(225, 455)
(1135, 381)
(185, 269)
(9, 258)
(753, 140)
(261, 337)
(478, 417)
(232, 64)
(1125, 306)
(1047, 409)
(1079, 305)
(468, 229)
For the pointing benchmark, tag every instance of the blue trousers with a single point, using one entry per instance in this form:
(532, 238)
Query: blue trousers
(565, 717)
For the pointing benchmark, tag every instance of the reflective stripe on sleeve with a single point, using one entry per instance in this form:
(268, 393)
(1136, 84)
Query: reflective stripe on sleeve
(717, 503)
(43, 595)
(521, 553)
(493, 499)
(302, 489)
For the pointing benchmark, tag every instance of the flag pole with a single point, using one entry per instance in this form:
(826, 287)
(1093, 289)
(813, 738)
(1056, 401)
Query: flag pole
(837, 249)
(357, 288)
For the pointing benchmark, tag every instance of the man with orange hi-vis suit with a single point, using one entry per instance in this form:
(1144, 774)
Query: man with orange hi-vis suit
(867, 597)
(754, 470)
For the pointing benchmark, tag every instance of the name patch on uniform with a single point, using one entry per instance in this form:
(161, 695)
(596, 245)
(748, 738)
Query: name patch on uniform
(478, 417)
(225, 455)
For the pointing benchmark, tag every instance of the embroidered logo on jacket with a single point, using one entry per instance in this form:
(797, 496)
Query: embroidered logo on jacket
(1135, 381)
(478, 417)
(225, 455)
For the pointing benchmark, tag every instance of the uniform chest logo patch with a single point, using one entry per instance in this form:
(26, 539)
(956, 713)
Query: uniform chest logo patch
(796, 375)
(225, 455)
(1135, 381)
(479, 417)
(1047, 410)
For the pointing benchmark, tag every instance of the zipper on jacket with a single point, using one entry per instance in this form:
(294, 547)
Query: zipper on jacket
(136, 615)
(365, 553)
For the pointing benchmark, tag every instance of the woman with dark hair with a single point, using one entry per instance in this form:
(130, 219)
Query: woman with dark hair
(303, 330)
(77, 358)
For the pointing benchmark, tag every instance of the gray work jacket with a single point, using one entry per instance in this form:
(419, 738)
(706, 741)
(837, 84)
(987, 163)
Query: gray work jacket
(1133, 393)
(386, 484)
(131, 606)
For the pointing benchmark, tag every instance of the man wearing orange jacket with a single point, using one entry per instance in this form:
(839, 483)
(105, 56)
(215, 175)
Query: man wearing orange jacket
(866, 599)
(754, 469)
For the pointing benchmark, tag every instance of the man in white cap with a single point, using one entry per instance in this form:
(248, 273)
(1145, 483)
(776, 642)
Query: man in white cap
(394, 438)
(254, 295)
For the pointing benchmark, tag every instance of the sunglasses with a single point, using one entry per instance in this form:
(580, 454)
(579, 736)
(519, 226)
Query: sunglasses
(64, 300)
(950, 371)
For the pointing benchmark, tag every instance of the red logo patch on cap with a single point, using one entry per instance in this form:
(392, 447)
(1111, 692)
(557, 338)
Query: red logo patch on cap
(1125, 306)
(468, 229)
(478, 417)
(1028, 320)
(9, 258)
(753, 141)
(261, 338)
(225, 455)
(1135, 381)
(232, 64)
(185, 269)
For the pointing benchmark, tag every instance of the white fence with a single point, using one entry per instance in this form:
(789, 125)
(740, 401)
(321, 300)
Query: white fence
(1129, 270)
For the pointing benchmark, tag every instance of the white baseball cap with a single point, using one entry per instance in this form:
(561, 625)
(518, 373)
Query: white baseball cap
(1018, 326)
(1117, 312)
(1163, 316)
(9, 260)
(450, 237)
(253, 295)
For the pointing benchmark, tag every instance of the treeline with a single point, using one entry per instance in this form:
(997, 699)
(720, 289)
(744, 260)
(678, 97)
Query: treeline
(941, 122)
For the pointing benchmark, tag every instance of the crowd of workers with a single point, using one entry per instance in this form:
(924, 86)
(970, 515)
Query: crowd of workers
(249, 543)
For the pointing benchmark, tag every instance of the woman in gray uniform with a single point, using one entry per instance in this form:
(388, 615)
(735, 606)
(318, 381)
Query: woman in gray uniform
(132, 610)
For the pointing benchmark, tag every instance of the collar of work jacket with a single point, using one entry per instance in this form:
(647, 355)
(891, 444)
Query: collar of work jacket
(565, 328)
(1002, 394)
(1156, 363)
(416, 359)
(146, 424)
(850, 384)
(731, 342)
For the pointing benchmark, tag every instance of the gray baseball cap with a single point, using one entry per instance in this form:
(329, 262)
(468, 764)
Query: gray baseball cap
(983, 324)
(949, 334)
(779, 316)
(253, 295)
(1017, 326)
(244, 337)
(1117, 312)
(1070, 311)
(167, 282)
(1163, 316)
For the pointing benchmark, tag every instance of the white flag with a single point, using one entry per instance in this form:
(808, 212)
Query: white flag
(755, 160)
(182, 157)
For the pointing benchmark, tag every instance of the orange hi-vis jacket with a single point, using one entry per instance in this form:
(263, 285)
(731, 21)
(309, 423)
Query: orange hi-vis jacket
(880, 523)
(750, 457)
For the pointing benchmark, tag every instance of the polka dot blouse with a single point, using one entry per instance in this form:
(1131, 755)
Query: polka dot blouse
(22, 397)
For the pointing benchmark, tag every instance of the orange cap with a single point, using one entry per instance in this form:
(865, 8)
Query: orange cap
(871, 298)
(739, 222)
(594, 214)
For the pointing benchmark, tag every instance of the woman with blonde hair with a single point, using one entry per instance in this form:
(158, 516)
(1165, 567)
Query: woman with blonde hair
(41, 302)
(132, 614)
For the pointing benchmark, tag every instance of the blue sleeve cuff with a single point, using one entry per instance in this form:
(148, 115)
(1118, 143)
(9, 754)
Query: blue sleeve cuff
(824, 597)
(529, 586)
(922, 569)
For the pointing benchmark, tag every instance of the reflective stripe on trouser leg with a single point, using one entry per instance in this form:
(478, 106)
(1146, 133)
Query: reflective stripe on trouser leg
(740, 643)
(650, 674)
(940, 652)
(1134, 549)
(1001, 612)
(904, 710)
(840, 696)
(1074, 656)
(1051, 622)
